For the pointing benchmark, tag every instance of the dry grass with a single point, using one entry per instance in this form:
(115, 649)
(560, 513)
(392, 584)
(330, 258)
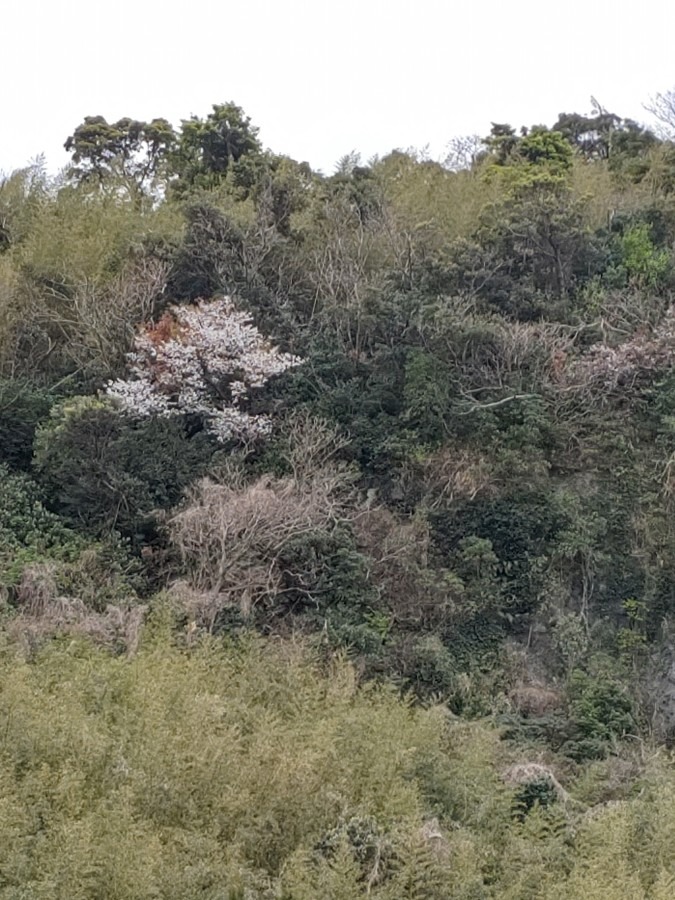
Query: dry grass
(535, 699)
(43, 613)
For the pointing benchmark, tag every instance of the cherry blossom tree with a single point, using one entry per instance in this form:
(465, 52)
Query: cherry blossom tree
(201, 359)
(621, 367)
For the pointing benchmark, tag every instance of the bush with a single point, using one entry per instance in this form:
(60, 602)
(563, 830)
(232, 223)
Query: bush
(23, 405)
(104, 471)
(539, 792)
(29, 532)
(34, 539)
(600, 713)
(505, 542)
(260, 546)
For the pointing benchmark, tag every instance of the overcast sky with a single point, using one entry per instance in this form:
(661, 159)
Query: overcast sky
(321, 79)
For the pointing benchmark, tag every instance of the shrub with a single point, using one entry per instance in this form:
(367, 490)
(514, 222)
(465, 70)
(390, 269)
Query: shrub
(600, 712)
(243, 544)
(38, 550)
(102, 471)
(23, 405)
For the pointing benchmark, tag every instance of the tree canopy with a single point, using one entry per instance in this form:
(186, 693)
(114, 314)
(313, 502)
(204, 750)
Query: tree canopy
(336, 534)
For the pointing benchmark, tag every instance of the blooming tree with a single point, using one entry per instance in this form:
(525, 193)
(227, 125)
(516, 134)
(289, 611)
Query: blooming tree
(201, 359)
(646, 353)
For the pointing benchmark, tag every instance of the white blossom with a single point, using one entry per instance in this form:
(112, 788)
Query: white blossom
(201, 359)
(641, 356)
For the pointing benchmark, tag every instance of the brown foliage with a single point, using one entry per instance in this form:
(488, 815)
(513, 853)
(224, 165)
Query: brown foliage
(163, 330)
(535, 699)
(451, 474)
(43, 612)
(230, 533)
(399, 552)
(230, 536)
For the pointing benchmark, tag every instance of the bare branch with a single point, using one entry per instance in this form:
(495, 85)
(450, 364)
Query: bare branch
(491, 405)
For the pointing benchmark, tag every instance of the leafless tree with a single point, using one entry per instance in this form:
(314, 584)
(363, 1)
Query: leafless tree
(462, 152)
(231, 534)
(231, 538)
(662, 107)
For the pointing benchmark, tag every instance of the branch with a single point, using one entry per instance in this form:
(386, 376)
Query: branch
(498, 402)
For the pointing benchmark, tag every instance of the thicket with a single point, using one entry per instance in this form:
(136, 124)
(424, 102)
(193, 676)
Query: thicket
(336, 542)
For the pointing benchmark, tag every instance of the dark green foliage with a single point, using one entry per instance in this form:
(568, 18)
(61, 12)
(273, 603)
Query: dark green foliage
(326, 587)
(429, 666)
(541, 792)
(105, 471)
(530, 254)
(512, 533)
(23, 405)
(24, 520)
(209, 148)
(364, 398)
(591, 135)
(358, 184)
(605, 136)
(130, 151)
(453, 668)
(427, 395)
(631, 153)
(210, 258)
(34, 539)
(601, 713)
(218, 254)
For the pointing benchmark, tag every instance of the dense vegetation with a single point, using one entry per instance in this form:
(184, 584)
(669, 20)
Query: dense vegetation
(337, 551)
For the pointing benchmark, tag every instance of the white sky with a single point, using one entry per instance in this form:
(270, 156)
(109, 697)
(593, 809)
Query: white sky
(321, 79)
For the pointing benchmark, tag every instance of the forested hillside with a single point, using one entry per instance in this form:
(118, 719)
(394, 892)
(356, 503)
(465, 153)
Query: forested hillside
(337, 535)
